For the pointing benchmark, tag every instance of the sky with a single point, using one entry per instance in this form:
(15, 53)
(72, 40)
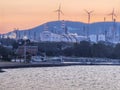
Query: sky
(25, 14)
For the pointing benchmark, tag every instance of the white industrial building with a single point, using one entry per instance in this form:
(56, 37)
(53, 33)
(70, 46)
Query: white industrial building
(49, 36)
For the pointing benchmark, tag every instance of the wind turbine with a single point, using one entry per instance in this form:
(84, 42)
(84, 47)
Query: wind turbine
(104, 19)
(89, 15)
(113, 14)
(59, 11)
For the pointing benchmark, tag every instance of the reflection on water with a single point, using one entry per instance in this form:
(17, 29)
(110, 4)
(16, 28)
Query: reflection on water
(62, 78)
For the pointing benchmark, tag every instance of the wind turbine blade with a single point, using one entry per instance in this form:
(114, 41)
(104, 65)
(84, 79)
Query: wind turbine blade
(91, 11)
(109, 14)
(61, 12)
(86, 11)
(113, 10)
(115, 15)
(56, 11)
(60, 6)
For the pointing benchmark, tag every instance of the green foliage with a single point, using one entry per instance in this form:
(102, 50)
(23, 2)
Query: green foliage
(52, 48)
(7, 41)
(5, 53)
(82, 49)
(116, 51)
(68, 52)
(101, 50)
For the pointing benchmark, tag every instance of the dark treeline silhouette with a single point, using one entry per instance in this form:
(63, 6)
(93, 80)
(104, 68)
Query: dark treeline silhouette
(82, 49)
(53, 48)
(6, 53)
(88, 49)
(6, 50)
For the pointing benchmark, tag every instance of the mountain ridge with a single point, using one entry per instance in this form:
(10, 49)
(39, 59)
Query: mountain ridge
(80, 28)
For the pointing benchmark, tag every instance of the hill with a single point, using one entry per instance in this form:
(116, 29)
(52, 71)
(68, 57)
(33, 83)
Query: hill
(73, 27)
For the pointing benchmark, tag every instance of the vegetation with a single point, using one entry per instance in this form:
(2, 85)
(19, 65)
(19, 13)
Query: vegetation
(82, 49)
(5, 53)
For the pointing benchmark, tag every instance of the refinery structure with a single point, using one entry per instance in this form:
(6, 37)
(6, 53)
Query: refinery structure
(65, 36)
(48, 36)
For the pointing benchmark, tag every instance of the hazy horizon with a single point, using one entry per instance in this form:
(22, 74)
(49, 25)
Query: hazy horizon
(24, 14)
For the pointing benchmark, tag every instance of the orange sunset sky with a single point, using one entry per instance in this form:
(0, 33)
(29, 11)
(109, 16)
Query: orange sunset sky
(25, 14)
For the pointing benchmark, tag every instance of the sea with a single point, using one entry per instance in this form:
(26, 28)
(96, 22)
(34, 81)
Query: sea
(83, 77)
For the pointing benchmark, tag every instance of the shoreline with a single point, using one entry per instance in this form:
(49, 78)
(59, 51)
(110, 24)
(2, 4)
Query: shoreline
(67, 61)
(11, 65)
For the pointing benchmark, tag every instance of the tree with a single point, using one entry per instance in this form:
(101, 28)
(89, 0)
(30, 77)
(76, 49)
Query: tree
(83, 49)
(101, 50)
(68, 51)
(116, 51)
(5, 53)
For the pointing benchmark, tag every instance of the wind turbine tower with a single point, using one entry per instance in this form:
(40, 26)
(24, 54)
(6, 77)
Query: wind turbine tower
(105, 31)
(113, 14)
(104, 19)
(59, 11)
(89, 15)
